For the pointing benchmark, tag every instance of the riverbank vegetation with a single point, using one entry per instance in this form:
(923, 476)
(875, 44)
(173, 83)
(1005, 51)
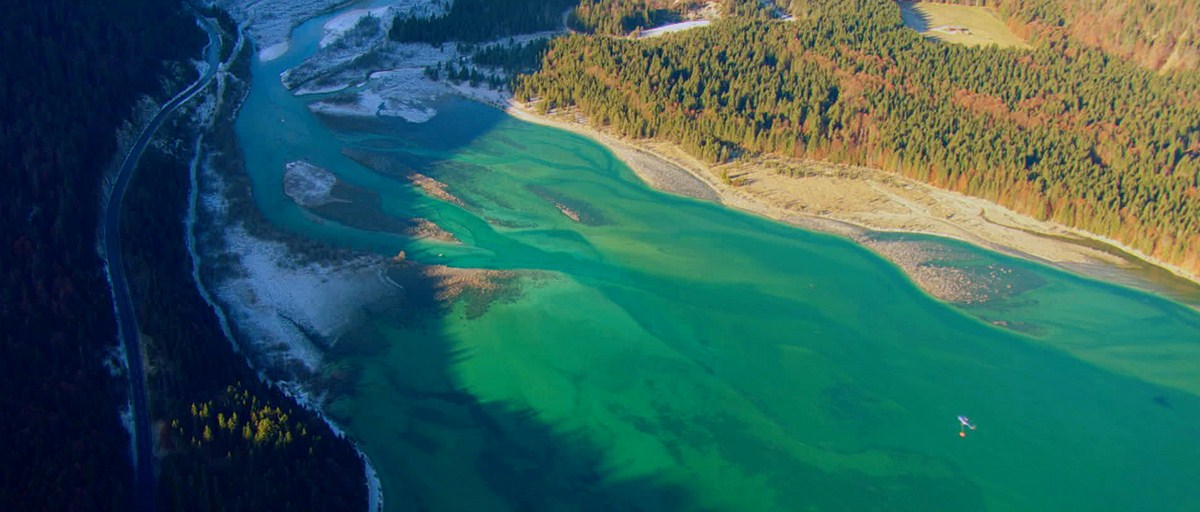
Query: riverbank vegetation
(206, 464)
(1061, 133)
(72, 72)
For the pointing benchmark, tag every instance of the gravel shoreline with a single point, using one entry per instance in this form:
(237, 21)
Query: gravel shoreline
(852, 201)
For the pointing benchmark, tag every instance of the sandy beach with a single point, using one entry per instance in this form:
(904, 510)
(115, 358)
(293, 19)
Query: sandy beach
(850, 201)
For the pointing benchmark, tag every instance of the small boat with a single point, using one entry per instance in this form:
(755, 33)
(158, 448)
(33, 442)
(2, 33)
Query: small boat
(965, 424)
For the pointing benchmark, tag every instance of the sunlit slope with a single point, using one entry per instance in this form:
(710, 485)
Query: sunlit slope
(962, 24)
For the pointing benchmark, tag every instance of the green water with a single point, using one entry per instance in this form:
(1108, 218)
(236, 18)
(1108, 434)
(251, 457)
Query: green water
(670, 354)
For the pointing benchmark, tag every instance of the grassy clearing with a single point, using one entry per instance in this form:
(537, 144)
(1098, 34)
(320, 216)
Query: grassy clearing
(945, 22)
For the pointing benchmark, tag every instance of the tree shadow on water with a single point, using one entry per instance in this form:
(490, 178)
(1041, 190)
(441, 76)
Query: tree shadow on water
(439, 446)
(392, 379)
(436, 446)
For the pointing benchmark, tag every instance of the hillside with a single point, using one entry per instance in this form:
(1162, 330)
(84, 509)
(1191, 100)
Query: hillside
(72, 72)
(1074, 137)
(971, 25)
(1158, 34)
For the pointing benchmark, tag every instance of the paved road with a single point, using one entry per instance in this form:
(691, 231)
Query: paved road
(127, 329)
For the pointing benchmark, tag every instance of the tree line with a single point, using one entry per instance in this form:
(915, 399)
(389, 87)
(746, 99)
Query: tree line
(474, 21)
(623, 17)
(1062, 132)
(620, 17)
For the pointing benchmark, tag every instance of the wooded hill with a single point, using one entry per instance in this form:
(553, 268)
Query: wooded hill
(473, 21)
(622, 17)
(1158, 34)
(224, 438)
(1057, 133)
(70, 73)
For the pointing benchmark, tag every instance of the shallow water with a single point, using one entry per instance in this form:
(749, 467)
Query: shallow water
(673, 354)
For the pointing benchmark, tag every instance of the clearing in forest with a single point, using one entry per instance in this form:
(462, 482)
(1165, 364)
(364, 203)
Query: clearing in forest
(962, 24)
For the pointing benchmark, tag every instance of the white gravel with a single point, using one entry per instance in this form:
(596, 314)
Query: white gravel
(271, 21)
(674, 27)
(307, 184)
(278, 303)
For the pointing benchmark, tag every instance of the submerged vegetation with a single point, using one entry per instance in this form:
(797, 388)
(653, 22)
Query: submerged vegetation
(1061, 133)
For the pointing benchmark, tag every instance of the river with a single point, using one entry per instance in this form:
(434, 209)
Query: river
(664, 353)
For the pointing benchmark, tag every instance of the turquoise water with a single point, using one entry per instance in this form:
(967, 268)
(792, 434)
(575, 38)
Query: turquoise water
(666, 353)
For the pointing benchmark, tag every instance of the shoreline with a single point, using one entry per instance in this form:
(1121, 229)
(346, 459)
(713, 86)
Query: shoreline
(852, 201)
(836, 199)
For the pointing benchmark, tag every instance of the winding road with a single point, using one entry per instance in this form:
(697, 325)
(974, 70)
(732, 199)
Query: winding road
(127, 328)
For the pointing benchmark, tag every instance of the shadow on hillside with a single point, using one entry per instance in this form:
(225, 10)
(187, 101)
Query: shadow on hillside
(913, 18)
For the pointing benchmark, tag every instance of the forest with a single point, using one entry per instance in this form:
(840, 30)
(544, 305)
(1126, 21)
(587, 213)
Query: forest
(72, 71)
(1158, 34)
(622, 17)
(1061, 132)
(473, 21)
(226, 439)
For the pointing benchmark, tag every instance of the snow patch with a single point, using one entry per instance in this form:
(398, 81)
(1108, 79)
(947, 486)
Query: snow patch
(189, 224)
(674, 27)
(403, 93)
(307, 184)
(126, 414)
(314, 90)
(270, 22)
(273, 52)
(287, 313)
(382, 77)
(494, 97)
(396, 86)
(281, 306)
(374, 488)
(342, 23)
(354, 44)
